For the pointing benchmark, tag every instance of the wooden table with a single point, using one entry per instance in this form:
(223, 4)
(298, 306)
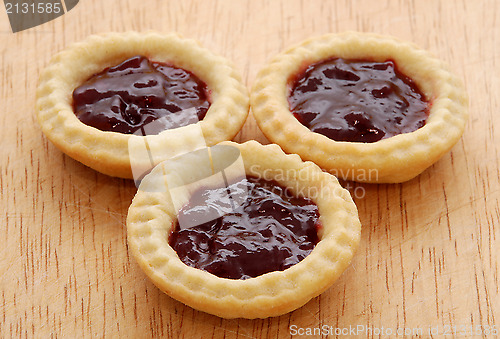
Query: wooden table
(428, 260)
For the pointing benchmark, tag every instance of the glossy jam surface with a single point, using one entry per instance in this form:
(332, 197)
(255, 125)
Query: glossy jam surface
(357, 101)
(271, 231)
(128, 97)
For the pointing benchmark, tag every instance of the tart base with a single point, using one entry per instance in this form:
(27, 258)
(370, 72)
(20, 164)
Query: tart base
(395, 159)
(152, 214)
(115, 153)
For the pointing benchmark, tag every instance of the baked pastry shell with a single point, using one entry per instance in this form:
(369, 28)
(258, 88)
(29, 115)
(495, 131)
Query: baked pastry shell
(395, 159)
(108, 152)
(151, 217)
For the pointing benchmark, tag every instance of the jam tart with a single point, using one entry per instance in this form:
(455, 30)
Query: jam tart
(122, 102)
(283, 242)
(362, 106)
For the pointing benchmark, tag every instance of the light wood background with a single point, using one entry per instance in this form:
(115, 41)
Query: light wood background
(429, 253)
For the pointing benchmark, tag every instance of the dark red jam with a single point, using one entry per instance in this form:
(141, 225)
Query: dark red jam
(271, 231)
(128, 97)
(357, 101)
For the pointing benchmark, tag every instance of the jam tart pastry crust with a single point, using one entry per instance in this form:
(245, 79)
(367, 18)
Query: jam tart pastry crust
(391, 160)
(151, 218)
(108, 152)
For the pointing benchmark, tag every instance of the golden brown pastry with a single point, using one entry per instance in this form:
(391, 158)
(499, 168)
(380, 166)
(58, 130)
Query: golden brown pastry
(154, 226)
(118, 83)
(362, 106)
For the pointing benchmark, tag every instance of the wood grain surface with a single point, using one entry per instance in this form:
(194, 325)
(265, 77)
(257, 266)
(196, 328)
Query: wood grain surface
(428, 260)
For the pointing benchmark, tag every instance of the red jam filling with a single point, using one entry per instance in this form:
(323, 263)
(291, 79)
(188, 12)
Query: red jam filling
(357, 100)
(133, 94)
(271, 231)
